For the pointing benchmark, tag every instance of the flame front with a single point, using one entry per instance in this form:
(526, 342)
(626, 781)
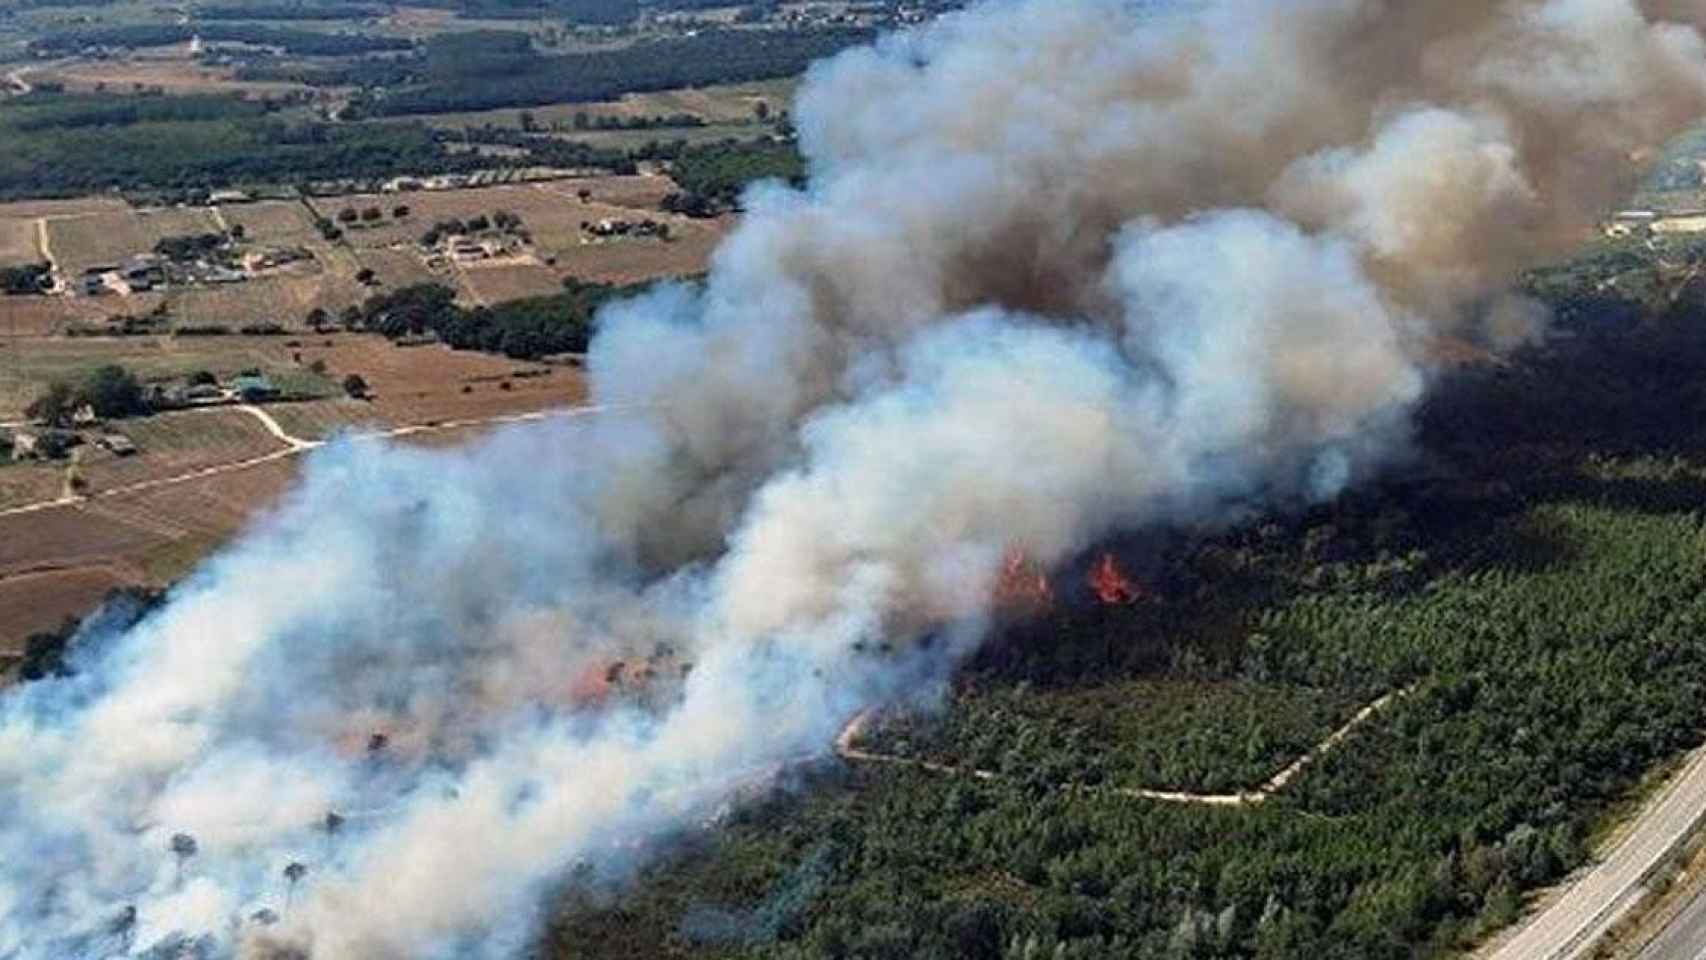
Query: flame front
(1110, 583)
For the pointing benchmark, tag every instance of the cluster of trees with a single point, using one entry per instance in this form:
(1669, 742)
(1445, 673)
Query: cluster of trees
(111, 391)
(26, 278)
(289, 11)
(503, 221)
(51, 653)
(712, 177)
(521, 329)
(307, 43)
(191, 247)
(51, 145)
(486, 71)
(593, 12)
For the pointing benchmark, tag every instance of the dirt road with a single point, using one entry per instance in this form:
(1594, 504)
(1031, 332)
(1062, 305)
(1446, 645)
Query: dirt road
(850, 733)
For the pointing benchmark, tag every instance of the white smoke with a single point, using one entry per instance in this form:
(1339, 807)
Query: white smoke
(1064, 267)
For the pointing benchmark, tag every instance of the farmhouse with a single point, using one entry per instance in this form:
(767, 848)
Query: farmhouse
(25, 445)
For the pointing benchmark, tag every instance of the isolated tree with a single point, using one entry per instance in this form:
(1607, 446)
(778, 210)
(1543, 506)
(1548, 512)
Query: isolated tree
(54, 406)
(364, 276)
(355, 386)
(183, 846)
(238, 231)
(372, 214)
(400, 211)
(761, 110)
(294, 871)
(585, 193)
(114, 391)
(318, 319)
(348, 215)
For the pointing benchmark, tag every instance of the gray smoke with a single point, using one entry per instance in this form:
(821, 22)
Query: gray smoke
(1064, 267)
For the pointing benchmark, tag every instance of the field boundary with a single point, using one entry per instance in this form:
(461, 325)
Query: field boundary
(844, 748)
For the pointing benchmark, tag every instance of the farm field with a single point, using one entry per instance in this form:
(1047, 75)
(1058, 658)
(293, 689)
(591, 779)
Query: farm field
(726, 105)
(489, 283)
(174, 72)
(37, 361)
(39, 601)
(104, 238)
(38, 316)
(284, 298)
(18, 242)
(33, 209)
(178, 442)
(402, 268)
(281, 222)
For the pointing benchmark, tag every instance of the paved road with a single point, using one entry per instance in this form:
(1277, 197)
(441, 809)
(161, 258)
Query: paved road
(1570, 926)
(1684, 938)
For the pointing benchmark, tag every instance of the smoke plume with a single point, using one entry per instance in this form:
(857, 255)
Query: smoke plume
(1063, 268)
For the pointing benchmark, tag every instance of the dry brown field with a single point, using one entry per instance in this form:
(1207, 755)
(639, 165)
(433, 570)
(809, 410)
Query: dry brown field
(497, 281)
(272, 222)
(34, 209)
(18, 242)
(421, 384)
(174, 74)
(722, 104)
(104, 238)
(632, 260)
(402, 268)
(172, 444)
(22, 483)
(40, 601)
(284, 298)
(37, 316)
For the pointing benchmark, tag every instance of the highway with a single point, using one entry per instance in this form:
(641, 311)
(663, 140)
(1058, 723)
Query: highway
(1569, 926)
(1684, 938)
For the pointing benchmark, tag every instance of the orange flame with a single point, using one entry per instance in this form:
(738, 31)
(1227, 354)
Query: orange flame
(1022, 584)
(1110, 583)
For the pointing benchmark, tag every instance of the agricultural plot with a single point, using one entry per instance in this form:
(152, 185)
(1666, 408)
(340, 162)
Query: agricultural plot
(403, 268)
(41, 601)
(721, 105)
(632, 260)
(78, 206)
(37, 361)
(18, 243)
(105, 238)
(171, 444)
(178, 75)
(422, 384)
(272, 222)
(283, 298)
(491, 283)
(22, 317)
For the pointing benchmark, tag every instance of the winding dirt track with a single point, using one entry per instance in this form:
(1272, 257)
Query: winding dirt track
(845, 749)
